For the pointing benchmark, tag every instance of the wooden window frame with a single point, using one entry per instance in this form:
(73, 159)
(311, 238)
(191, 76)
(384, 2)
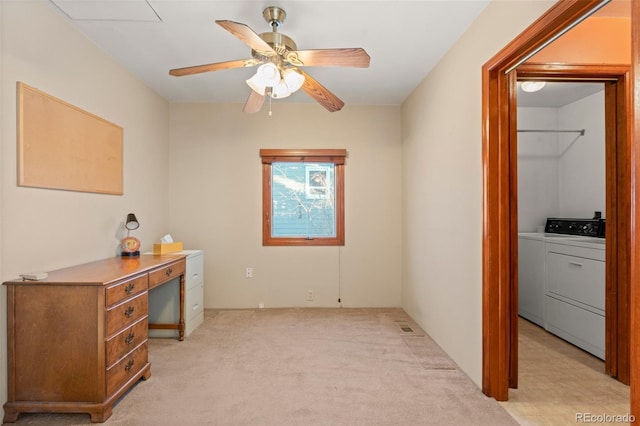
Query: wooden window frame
(270, 156)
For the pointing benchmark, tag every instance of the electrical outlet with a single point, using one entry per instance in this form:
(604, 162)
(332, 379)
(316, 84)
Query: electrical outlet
(248, 273)
(309, 295)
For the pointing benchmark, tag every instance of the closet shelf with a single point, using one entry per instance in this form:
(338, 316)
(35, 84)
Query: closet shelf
(581, 131)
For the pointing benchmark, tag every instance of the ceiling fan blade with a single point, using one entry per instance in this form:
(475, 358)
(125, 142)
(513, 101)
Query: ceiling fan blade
(347, 57)
(248, 36)
(254, 102)
(320, 93)
(238, 63)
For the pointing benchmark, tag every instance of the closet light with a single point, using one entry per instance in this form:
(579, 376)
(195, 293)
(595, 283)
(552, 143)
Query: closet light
(532, 86)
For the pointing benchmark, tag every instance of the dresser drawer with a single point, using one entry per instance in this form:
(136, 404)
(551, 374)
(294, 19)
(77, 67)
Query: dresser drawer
(126, 313)
(127, 368)
(195, 271)
(122, 343)
(126, 289)
(166, 274)
(194, 302)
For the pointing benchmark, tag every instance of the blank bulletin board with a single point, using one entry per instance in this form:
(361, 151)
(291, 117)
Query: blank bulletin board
(61, 146)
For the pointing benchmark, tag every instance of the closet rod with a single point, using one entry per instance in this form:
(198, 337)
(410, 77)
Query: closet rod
(551, 131)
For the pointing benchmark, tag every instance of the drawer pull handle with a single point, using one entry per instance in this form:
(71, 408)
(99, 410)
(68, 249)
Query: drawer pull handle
(576, 264)
(129, 338)
(128, 366)
(129, 311)
(129, 288)
(195, 306)
(169, 272)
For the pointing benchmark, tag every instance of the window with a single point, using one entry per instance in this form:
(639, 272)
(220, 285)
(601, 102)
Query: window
(303, 197)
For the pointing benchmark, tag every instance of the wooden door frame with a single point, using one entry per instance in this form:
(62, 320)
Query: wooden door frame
(500, 197)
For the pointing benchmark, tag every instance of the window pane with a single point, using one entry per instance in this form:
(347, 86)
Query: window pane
(303, 200)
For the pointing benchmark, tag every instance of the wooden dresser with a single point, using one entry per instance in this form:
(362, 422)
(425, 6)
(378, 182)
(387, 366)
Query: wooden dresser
(77, 340)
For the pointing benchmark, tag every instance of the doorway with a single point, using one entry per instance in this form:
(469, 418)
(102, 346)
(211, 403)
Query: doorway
(562, 172)
(500, 222)
(616, 80)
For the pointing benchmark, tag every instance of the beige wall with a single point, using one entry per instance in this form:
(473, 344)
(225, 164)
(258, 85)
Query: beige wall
(413, 182)
(216, 180)
(442, 186)
(47, 229)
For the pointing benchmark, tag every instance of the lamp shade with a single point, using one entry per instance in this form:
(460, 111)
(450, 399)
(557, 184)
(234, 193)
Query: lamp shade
(267, 75)
(257, 84)
(280, 90)
(293, 79)
(132, 222)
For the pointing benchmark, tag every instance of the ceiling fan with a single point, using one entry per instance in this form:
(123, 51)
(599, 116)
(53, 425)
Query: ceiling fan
(279, 73)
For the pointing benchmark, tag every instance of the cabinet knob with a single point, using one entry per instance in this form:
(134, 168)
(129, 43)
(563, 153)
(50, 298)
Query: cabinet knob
(129, 338)
(129, 311)
(128, 366)
(169, 272)
(129, 288)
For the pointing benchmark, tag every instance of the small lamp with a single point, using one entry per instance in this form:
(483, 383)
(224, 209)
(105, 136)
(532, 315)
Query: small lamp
(130, 245)
(132, 223)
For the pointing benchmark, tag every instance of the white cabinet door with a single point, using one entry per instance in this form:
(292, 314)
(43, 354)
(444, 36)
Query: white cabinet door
(531, 273)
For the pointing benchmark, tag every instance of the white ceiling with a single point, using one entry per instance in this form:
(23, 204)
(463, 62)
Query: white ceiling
(405, 39)
(556, 94)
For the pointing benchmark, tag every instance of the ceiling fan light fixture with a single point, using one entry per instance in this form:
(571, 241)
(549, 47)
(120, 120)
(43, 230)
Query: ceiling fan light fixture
(532, 86)
(257, 84)
(269, 74)
(293, 79)
(280, 90)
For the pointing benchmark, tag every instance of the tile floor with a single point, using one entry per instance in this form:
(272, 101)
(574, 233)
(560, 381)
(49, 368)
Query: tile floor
(560, 384)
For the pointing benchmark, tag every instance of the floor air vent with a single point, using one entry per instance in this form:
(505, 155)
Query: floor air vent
(405, 327)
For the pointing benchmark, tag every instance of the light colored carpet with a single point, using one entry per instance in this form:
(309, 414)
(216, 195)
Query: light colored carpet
(300, 367)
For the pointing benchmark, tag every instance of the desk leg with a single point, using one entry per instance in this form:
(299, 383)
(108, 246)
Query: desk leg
(181, 323)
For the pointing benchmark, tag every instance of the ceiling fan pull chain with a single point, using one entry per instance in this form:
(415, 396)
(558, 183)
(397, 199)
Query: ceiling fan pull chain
(270, 113)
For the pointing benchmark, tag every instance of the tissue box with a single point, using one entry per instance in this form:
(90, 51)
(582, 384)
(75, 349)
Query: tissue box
(164, 248)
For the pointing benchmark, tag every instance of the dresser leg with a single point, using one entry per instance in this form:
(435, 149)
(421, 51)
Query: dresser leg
(10, 415)
(102, 415)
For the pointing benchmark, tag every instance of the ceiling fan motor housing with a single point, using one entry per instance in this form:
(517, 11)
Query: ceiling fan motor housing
(279, 42)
